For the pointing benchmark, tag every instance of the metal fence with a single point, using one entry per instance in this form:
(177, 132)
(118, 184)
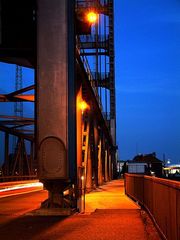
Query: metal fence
(161, 198)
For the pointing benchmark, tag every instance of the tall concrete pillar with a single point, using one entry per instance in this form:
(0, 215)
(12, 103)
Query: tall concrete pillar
(56, 100)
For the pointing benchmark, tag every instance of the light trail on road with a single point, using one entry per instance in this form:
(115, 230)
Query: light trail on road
(16, 189)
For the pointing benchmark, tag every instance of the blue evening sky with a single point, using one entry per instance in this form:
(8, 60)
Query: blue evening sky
(147, 57)
(147, 43)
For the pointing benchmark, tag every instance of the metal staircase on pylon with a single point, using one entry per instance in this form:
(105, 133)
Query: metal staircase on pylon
(18, 106)
(98, 48)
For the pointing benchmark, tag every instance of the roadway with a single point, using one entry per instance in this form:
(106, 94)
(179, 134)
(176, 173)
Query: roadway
(15, 203)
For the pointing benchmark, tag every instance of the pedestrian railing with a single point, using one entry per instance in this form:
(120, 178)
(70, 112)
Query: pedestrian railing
(161, 198)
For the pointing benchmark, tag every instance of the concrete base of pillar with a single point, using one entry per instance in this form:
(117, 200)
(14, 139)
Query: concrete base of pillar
(61, 199)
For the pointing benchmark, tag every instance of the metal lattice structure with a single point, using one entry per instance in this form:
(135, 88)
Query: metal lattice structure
(18, 106)
(98, 49)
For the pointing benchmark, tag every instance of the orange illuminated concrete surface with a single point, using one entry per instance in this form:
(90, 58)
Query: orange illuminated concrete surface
(109, 196)
(109, 215)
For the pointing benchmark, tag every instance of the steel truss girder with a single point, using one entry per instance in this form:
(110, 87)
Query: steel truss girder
(16, 97)
(16, 133)
(12, 124)
(21, 158)
(18, 164)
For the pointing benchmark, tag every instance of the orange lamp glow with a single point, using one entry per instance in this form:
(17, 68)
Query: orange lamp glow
(92, 17)
(83, 106)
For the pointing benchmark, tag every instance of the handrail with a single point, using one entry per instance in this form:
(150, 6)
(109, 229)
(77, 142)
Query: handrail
(161, 198)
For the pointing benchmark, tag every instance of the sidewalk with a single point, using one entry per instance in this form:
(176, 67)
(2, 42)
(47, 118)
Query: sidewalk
(109, 196)
(110, 215)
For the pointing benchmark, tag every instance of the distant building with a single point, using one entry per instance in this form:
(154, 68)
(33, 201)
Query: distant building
(146, 164)
(136, 167)
(172, 172)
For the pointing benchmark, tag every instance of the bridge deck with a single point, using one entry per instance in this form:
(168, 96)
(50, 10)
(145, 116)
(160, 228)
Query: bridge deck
(109, 215)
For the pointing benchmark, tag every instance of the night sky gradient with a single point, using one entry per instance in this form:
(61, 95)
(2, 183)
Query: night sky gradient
(147, 43)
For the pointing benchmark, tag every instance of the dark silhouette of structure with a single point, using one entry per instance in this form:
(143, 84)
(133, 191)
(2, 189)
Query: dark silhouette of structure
(154, 165)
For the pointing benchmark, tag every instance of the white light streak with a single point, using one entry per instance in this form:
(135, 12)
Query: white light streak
(21, 186)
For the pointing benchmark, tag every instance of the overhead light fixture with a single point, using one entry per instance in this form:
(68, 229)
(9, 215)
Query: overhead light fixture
(92, 17)
(83, 106)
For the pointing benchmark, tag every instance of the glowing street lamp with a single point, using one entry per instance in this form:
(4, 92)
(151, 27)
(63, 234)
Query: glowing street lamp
(91, 17)
(83, 106)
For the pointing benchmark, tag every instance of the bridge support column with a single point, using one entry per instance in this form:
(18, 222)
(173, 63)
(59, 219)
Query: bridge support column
(100, 161)
(106, 166)
(55, 195)
(80, 191)
(103, 158)
(110, 168)
(108, 162)
(89, 171)
(114, 162)
(95, 152)
(56, 99)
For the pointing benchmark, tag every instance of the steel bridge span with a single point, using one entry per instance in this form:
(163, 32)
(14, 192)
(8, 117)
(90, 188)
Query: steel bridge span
(72, 138)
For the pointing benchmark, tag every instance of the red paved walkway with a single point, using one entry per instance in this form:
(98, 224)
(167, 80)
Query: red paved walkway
(110, 215)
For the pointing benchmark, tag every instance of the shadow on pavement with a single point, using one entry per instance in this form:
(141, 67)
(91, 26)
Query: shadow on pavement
(27, 227)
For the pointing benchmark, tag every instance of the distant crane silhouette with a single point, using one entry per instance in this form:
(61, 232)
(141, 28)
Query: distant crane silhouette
(18, 106)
